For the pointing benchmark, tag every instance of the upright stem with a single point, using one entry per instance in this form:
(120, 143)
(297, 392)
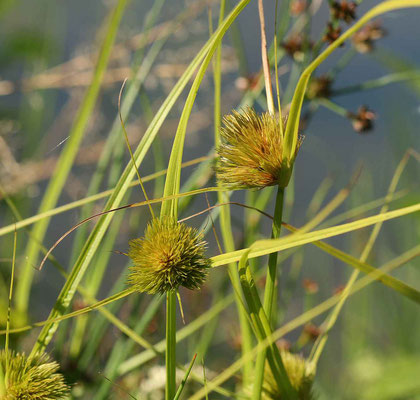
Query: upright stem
(225, 220)
(170, 355)
(270, 285)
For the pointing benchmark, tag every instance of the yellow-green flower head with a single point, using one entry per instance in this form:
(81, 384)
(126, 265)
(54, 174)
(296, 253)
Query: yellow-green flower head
(171, 254)
(300, 376)
(32, 378)
(251, 151)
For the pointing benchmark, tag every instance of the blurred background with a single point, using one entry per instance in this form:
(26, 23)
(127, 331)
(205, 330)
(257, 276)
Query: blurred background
(47, 54)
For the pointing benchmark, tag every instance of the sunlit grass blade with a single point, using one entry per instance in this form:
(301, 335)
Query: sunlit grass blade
(184, 380)
(398, 286)
(304, 318)
(262, 329)
(264, 247)
(388, 280)
(67, 157)
(89, 199)
(291, 134)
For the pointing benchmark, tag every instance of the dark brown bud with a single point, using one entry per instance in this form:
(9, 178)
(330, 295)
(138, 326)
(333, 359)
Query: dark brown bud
(319, 87)
(332, 33)
(363, 40)
(344, 10)
(310, 286)
(312, 331)
(296, 45)
(363, 120)
(297, 7)
(338, 290)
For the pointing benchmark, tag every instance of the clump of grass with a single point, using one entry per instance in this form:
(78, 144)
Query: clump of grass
(256, 151)
(32, 378)
(171, 254)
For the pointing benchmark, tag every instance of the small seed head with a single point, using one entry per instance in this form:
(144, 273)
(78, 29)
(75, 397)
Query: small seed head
(250, 155)
(344, 10)
(170, 255)
(301, 378)
(296, 45)
(32, 378)
(332, 33)
(363, 121)
(319, 87)
(364, 39)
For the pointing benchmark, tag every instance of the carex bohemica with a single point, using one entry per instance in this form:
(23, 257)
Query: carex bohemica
(171, 254)
(251, 151)
(31, 378)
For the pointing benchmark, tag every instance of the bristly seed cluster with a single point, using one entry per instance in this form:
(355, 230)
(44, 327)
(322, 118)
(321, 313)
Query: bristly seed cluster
(301, 378)
(250, 154)
(171, 254)
(32, 378)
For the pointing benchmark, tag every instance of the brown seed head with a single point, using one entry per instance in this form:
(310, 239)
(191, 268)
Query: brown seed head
(344, 10)
(363, 120)
(319, 87)
(364, 39)
(297, 7)
(312, 331)
(332, 33)
(310, 286)
(296, 45)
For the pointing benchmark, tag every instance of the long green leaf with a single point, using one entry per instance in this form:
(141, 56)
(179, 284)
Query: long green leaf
(264, 247)
(291, 134)
(67, 157)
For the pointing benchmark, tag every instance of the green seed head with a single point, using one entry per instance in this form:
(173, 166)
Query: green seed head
(299, 375)
(32, 378)
(170, 255)
(251, 151)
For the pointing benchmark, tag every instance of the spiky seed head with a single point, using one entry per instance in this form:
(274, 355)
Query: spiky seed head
(250, 153)
(300, 376)
(171, 254)
(32, 378)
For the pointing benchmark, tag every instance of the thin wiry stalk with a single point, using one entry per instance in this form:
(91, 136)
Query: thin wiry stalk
(269, 293)
(225, 220)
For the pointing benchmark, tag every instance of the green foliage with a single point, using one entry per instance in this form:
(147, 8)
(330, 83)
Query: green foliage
(255, 150)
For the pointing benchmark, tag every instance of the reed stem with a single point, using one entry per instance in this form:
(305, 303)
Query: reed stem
(170, 355)
(270, 285)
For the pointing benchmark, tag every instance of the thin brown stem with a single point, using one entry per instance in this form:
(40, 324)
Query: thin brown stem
(266, 66)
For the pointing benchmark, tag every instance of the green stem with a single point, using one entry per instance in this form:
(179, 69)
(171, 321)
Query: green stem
(225, 220)
(270, 285)
(170, 345)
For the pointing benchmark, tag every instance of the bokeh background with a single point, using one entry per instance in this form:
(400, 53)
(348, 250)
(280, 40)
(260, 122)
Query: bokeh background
(46, 53)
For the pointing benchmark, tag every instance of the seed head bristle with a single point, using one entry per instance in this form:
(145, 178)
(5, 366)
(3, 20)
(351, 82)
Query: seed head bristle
(299, 375)
(250, 154)
(170, 255)
(32, 378)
